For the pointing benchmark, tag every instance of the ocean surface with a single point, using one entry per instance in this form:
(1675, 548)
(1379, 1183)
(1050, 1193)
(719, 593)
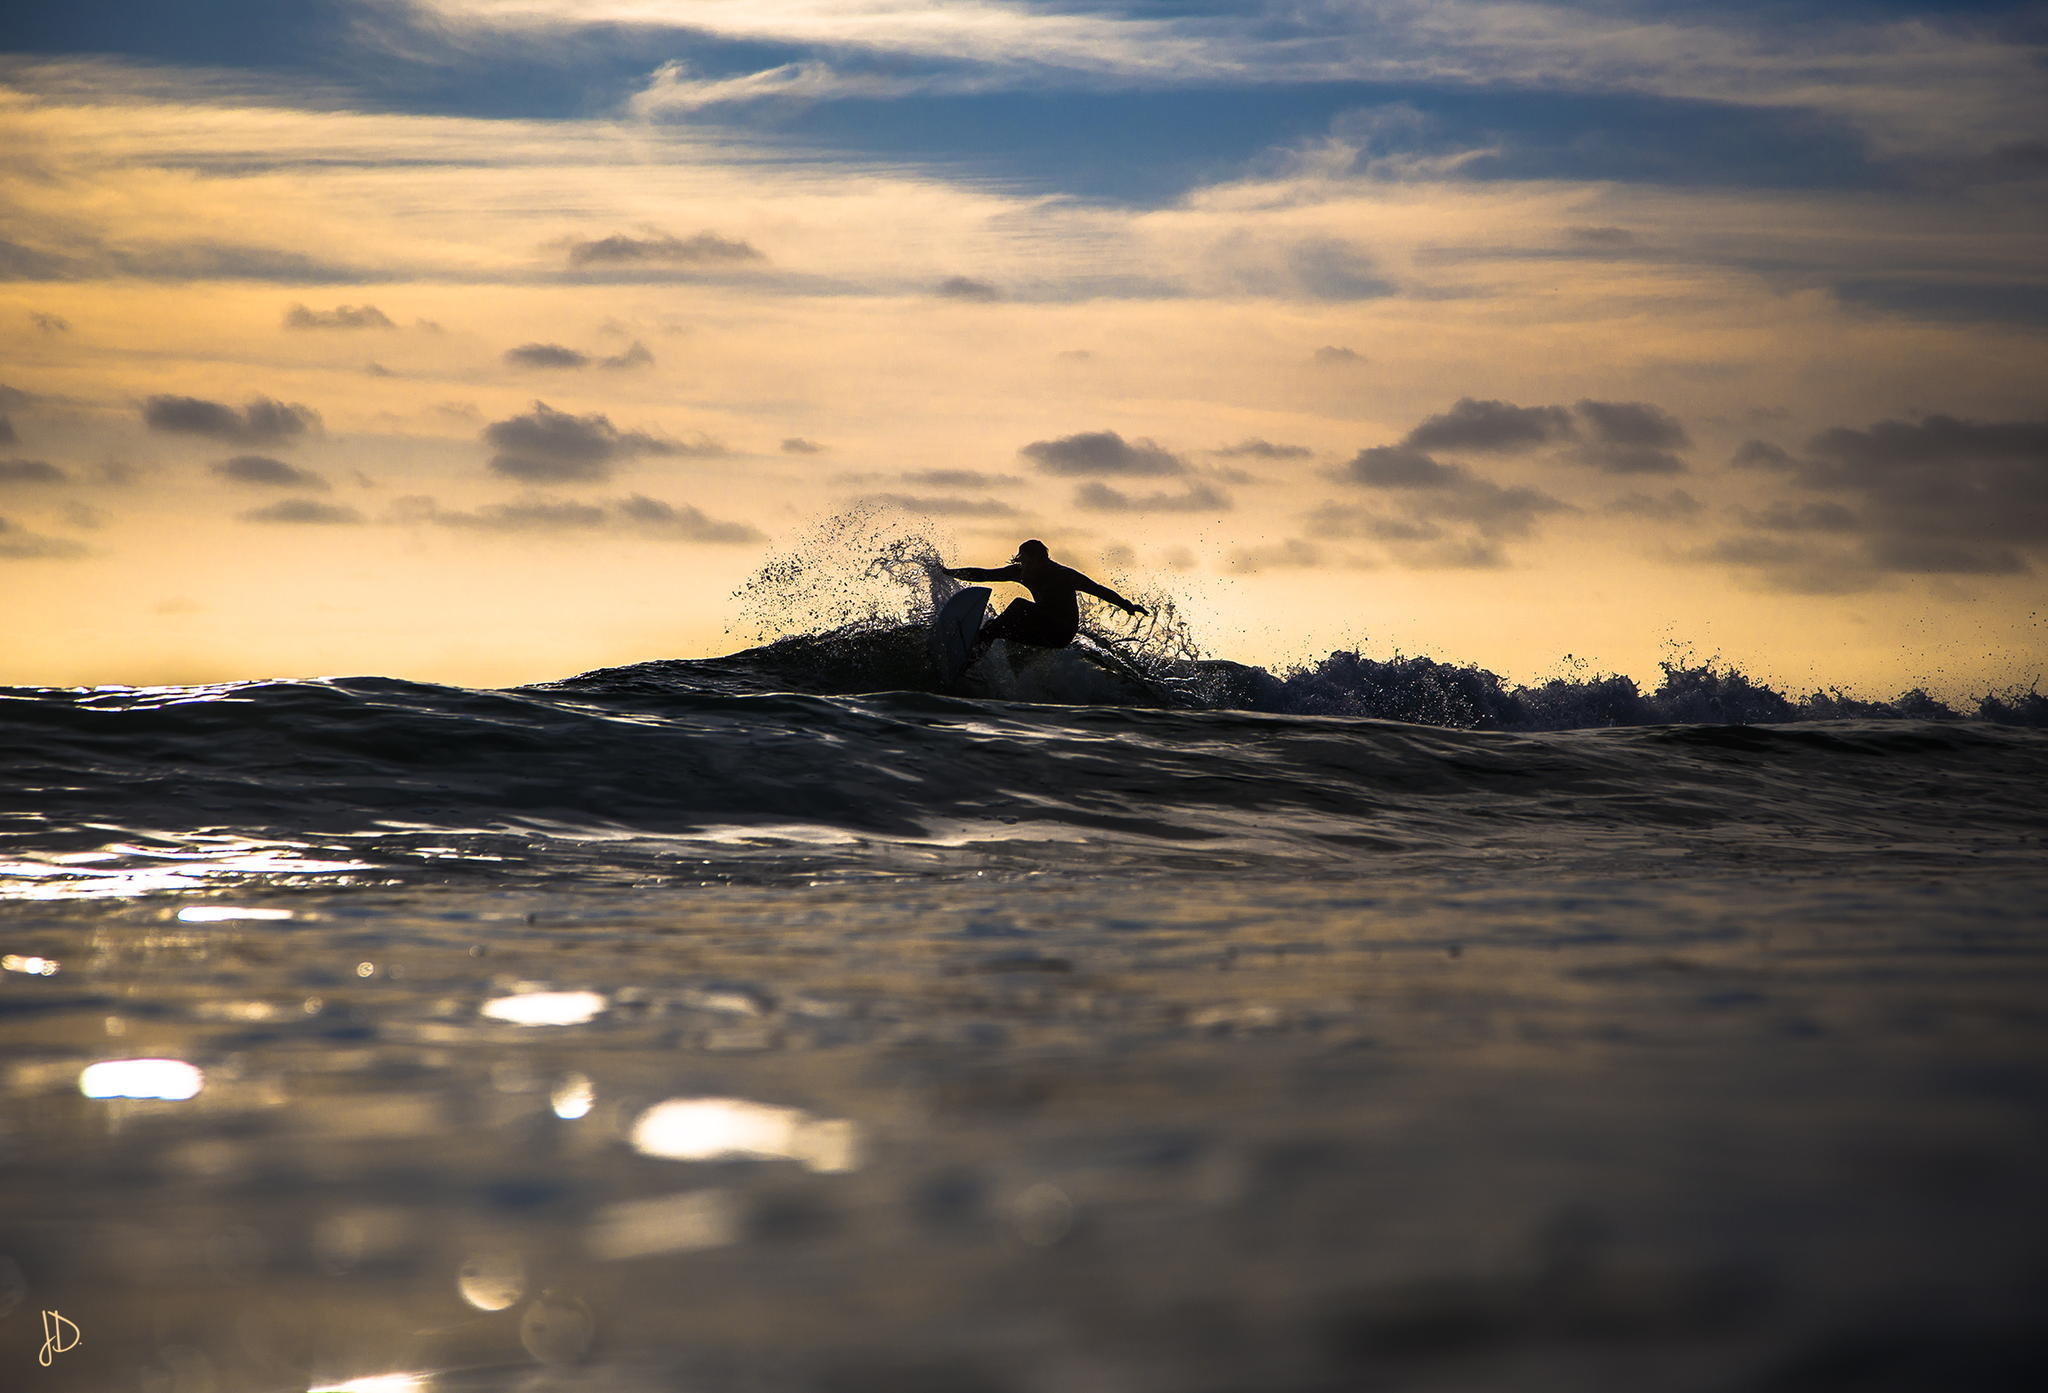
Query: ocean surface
(776, 1024)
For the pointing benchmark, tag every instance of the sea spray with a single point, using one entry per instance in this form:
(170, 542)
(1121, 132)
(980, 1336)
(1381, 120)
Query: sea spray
(847, 606)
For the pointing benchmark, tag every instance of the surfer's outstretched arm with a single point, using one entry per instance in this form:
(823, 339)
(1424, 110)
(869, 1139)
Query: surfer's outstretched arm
(1010, 572)
(1103, 592)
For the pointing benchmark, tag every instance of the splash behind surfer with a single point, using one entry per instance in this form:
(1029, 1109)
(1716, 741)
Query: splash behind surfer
(1051, 617)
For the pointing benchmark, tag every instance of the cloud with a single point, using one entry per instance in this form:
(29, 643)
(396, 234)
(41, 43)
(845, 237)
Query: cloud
(957, 478)
(1600, 238)
(1431, 490)
(19, 544)
(1338, 520)
(49, 323)
(1631, 437)
(683, 522)
(1491, 426)
(944, 505)
(635, 514)
(656, 248)
(1615, 437)
(1794, 568)
(340, 317)
(7, 435)
(1255, 448)
(673, 89)
(546, 355)
(1803, 517)
(15, 397)
(1332, 354)
(1934, 556)
(262, 420)
(966, 288)
(1762, 454)
(1102, 452)
(797, 445)
(1937, 496)
(304, 511)
(1195, 498)
(1401, 467)
(267, 472)
(1633, 423)
(30, 471)
(636, 356)
(1303, 268)
(550, 446)
(1675, 506)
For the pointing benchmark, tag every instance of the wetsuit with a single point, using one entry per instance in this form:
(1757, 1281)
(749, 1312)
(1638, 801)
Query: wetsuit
(1051, 617)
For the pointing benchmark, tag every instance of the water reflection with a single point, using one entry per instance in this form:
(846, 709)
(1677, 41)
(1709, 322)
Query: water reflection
(546, 1008)
(492, 1281)
(376, 1383)
(34, 967)
(222, 913)
(574, 1097)
(680, 1223)
(722, 1129)
(172, 1080)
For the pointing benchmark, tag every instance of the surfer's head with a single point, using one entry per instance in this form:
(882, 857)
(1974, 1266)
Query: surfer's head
(1031, 552)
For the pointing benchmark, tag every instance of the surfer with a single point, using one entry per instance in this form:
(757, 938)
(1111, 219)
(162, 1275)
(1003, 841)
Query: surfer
(1051, 617)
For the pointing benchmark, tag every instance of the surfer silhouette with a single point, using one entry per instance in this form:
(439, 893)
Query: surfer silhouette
(1051, 617)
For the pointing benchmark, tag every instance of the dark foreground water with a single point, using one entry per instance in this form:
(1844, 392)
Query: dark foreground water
(658, 1031)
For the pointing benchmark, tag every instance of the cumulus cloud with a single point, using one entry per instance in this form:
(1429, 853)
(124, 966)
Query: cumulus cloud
(638, 355)
(1195, 498)
(261, 421)
(267, 472)
(657, 249)
(1431, 491)
(1401, 467)
(1631, 437)
(1255, 448)
(1334, 354)
(1615, 437)
(30, 471)
(19, 544)
(797, 445)
(1102, 452)
(966, 288)
(49, 323)
(635, 514)
(1491, 426)
(340, 317)
(546, 355)
(7, 434)
(549, 446)
(1936, 496)
(304, 511)
(1634, 423)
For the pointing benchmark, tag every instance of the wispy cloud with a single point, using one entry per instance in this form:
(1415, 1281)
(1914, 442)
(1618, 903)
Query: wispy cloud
(1915, 84)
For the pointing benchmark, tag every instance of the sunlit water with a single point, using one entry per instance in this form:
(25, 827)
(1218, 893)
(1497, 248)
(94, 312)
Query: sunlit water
(646, 1035)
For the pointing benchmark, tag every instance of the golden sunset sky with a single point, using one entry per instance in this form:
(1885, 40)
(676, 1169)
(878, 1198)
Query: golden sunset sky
(486, 341)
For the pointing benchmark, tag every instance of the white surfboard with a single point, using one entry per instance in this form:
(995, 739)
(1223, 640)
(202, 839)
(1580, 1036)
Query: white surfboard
(953, 631)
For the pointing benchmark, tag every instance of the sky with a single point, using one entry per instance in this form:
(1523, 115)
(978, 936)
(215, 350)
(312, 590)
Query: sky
(488, 341)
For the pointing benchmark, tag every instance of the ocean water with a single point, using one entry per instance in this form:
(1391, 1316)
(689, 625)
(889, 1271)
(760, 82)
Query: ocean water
(776, 1024)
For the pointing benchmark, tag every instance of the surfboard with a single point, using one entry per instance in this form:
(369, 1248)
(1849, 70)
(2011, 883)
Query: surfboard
(953, 631)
